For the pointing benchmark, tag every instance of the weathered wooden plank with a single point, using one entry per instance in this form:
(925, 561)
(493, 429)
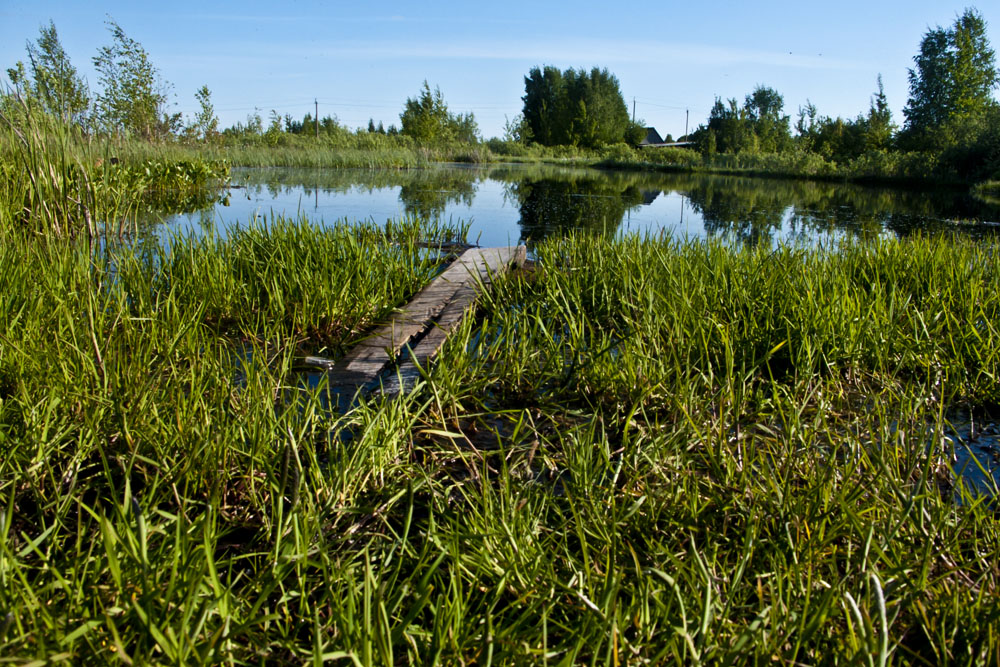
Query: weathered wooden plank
(423, 351)
(430, 316)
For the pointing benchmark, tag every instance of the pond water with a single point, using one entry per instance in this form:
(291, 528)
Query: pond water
(511, 203)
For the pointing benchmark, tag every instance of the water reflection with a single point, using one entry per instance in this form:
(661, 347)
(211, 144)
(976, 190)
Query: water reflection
(556, 205)
(429, 198)
(512, 202)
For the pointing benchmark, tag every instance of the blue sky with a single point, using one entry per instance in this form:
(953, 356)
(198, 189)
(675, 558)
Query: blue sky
(362, 61)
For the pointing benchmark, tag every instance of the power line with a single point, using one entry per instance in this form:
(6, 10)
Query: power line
(672, 106)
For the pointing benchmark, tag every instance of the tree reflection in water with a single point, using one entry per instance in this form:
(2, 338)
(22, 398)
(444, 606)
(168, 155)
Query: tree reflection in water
(542, 200)
(551, 206)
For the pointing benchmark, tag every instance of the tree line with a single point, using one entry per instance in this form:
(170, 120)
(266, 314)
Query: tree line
(134, 100)
(950, 112)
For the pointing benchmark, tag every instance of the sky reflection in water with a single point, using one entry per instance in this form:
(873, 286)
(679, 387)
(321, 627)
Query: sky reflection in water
(511, 203)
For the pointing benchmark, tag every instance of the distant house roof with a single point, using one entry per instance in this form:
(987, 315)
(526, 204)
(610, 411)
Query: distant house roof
(652, 137)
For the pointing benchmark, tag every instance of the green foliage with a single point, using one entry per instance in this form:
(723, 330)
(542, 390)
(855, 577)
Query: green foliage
(426, 118)
(971, 146)
(54, 180)
(643, 451)
(576, 108)
(763, 111)
(710, 144)
(206, 123)
(516, 130)
(757, 126)
(833, 138)
(728, 126)
(951, 111)
(57, 86)
(953, 80)
(879, 127)
(134, 99)
(544, 99)
(845, 140)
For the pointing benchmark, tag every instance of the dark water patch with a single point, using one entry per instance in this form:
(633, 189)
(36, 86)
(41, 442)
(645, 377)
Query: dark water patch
(975, 442)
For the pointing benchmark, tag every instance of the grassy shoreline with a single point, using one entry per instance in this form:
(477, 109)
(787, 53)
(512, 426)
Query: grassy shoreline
(882, 168)
(53, 178)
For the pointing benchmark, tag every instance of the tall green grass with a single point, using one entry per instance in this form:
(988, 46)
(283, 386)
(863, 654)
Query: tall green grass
(717, 453)
(144, 434)
(55, 180)
(642, 451)
(923, 310)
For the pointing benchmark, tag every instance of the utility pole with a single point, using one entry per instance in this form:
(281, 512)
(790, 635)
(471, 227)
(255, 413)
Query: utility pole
(633, 111)
(316, 120)
(687, 112)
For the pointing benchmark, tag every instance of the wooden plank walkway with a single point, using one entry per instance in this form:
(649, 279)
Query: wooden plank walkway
(389, 359)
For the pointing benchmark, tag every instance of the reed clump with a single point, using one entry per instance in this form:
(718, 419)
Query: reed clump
(56, 180)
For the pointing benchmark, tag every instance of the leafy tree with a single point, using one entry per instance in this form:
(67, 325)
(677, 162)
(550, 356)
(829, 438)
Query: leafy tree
(545, 101)
(728, 126)
(255, 124)
(954, 77)
(330, 126)
(206, 124)
(879, 127)
(57, 86)
(576, 107)
(466, 128)
(134, 99)
(762, 108)
(758, 125)
(709, 146)
(516, 130)
(599, 115)
(426, 118)
(974, 67)
(805, 125)
(843, 140)
(274, 128)
(763, 103)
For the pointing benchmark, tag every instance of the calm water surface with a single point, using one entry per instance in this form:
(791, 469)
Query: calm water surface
(507, 204)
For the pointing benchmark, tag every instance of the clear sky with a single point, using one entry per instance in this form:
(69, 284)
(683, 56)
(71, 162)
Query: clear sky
(363, 60)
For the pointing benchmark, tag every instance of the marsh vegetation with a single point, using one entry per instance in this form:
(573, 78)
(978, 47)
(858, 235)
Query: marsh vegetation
(641, 449)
